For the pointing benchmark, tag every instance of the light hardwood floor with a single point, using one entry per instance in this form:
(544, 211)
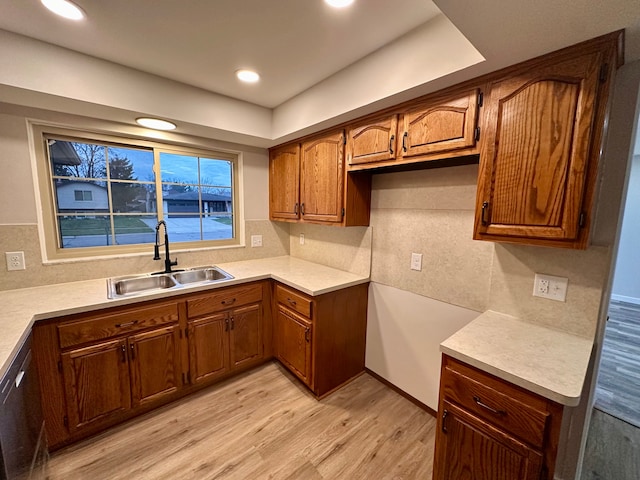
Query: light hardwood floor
(264, 425)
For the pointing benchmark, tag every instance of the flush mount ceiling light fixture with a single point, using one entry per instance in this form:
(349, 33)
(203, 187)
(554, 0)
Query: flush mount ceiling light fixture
(247, 76)
(64, 8)
(339, 3)
(155, 123)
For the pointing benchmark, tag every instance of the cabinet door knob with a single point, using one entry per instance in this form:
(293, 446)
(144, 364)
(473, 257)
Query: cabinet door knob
(444, 419)
(133, 351)
(123, 349)
(306, 335)
(233, 324)
(226, 324)
(485, 212)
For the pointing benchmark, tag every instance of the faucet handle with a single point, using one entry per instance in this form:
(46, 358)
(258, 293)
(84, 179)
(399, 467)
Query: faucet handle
(174, 263)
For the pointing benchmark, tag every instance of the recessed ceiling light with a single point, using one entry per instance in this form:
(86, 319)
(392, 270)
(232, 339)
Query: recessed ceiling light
(339, 3)
(64, 8)
(155, 123)
(248, 76)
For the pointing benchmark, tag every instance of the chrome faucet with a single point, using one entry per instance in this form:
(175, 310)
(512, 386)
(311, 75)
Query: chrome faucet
(156, 249)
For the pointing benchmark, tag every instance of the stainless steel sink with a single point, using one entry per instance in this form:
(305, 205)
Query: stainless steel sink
(136, 284)
(201, 274)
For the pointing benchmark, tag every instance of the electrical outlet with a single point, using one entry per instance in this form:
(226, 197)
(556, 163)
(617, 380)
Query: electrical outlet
(302, 239)
(15, 261)
(548, 286)
(256, 240)
(416, 261)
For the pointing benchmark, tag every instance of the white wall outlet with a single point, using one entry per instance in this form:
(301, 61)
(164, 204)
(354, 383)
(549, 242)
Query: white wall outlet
(302, 239)
(416, 261)
(15, 261)
(256, 240)
(548, 286)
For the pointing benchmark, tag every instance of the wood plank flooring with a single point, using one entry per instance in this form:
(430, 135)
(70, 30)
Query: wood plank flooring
(263, 425)
(618, 387)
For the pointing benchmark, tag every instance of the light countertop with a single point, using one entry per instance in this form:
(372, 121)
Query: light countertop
(22, 307)
(548, 362)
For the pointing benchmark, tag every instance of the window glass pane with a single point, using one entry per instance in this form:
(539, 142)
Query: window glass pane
(215, 172)
(181, 199)
(135, 229)
(181, 169)
(130, 164)
(84, 231)
(217, 227)
(133, 197)
(76, 159)
(183, 228)
(78, 196)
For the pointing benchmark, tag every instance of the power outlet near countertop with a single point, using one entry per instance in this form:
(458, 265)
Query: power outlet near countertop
(548, 286)
(15, 261)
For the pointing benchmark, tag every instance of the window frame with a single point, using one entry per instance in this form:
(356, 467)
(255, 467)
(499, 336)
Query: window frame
(50, 234)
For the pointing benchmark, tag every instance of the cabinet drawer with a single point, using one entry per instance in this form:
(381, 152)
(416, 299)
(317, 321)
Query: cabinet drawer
(224, 299)
(293, 300)
(110, 325)
(502, 404)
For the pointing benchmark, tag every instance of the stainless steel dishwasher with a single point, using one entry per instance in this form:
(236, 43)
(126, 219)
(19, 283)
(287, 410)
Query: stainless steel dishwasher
(22, 435)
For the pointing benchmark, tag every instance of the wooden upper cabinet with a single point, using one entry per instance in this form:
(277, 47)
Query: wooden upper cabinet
(541, 150)
(443, 124)
(322, 178)
(373, 141)
(284, 181)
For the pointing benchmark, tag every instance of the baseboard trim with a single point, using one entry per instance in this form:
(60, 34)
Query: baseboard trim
(622, 298)
(399, 391)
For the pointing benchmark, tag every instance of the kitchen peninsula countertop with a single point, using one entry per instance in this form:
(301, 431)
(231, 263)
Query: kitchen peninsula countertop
(548, 362)
(22, 307)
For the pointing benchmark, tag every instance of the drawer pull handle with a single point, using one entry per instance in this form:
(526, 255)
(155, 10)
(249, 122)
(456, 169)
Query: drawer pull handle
(444, 419)
(292, 302)
(393, 137)
(126, 324)
(404, 141)
(229, 302)
(480, 403)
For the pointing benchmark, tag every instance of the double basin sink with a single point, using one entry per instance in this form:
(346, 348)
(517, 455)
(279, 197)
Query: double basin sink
(119, 287)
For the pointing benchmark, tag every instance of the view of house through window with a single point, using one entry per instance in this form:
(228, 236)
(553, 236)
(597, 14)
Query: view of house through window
(109, 194)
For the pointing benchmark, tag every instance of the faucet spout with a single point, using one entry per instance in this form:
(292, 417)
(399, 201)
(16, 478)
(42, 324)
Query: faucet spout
(156, 249)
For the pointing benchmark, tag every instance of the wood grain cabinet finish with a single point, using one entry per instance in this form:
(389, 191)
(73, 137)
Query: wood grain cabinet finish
(490, 429)
(443, 124)
(284, 183)
(230, 335)
(324, 192)
(543, 133)
(372, 141)
(321, 339)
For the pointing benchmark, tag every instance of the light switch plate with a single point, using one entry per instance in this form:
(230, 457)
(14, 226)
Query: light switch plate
(256, 240)
(15, 261)
(416, 261)
(548, 286)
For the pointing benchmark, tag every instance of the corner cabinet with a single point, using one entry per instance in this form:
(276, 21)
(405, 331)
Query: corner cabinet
(489, 429)
(544, 128)
(321, 339)
(308, 183)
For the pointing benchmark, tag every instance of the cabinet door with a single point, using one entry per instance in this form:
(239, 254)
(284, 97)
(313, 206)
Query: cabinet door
(532, 175)
(245, 335)
(322, 179)
(284, 182)
(96, 383)
(208, 347)
(155, 364)
(292, 335)
(441, 125)
(372, 142)
(467, 447)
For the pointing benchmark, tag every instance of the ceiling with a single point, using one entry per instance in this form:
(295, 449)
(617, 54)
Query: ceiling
(176, 58)
(293, 44)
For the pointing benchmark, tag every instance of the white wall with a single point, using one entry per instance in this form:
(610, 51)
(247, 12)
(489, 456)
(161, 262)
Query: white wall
(626, 283)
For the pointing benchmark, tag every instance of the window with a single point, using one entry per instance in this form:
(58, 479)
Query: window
(106, 195)
(83, 195)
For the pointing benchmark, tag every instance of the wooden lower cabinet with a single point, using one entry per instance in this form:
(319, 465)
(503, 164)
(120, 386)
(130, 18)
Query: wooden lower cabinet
(489, 429)
(321, 339)
(293, 343)
(245, 336)
(208, 348)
